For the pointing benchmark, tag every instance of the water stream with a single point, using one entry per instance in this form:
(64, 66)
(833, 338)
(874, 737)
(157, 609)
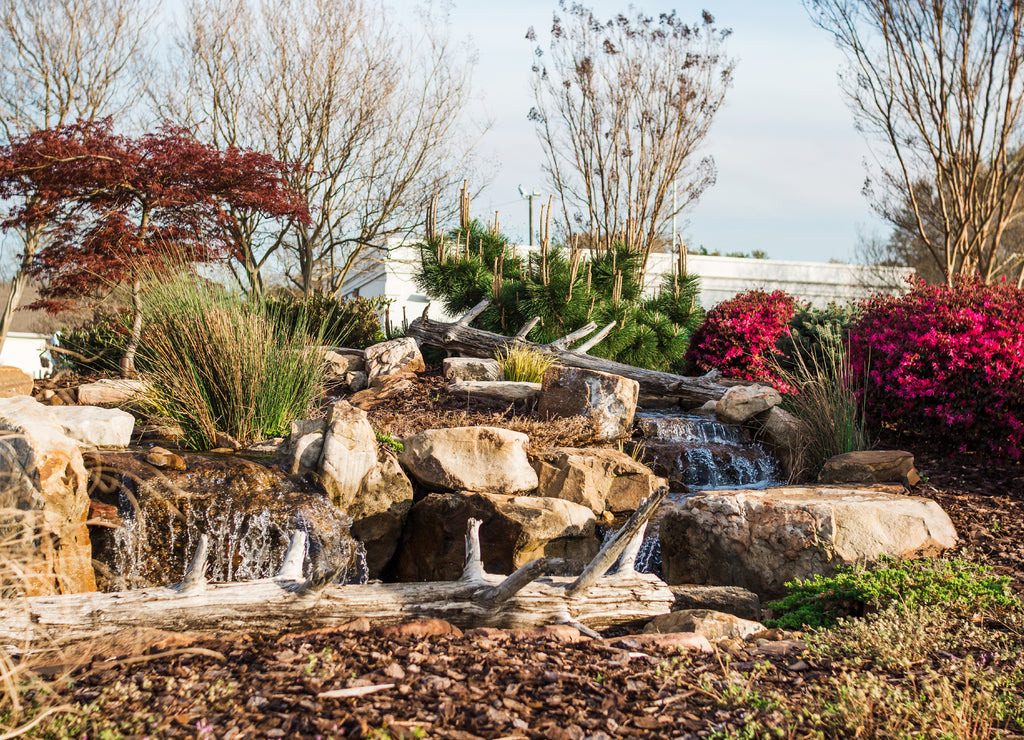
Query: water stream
(696, 452)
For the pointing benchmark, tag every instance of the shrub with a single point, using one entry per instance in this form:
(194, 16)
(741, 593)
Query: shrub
(217, 362)
(739, 335)
(522, 364)
(354, 322)
(948, 362)
(97, 346)
(567, 289)
(814, 333)
(958, 585)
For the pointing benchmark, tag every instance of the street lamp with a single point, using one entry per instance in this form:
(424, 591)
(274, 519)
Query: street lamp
(531, 196)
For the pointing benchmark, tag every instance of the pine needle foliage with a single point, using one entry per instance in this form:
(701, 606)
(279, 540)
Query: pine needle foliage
(567, 288)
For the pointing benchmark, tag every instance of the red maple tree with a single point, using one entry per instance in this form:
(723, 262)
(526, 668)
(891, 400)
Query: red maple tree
(116, 208)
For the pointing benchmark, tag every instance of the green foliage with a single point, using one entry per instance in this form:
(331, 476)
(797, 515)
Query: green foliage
(216, 362)
(958, 585)
(387, 439)
(822, 395)
(567, 289)
(814, 333)
(354, 322)
(520, 363)
(100, 344)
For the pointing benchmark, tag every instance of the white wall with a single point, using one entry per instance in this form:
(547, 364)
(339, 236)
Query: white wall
(24, 351)
(720, 278)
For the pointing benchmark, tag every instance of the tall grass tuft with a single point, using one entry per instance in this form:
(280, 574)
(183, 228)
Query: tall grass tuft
(823, 396)
(523, 364)
(217, 362)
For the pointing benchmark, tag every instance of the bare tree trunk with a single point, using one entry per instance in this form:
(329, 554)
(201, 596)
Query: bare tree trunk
(128, 361)
(17, 287)
(460, 338)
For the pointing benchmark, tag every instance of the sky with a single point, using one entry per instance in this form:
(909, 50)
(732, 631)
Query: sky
(790, 163)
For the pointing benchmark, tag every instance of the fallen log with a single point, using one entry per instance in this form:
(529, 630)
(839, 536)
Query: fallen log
(287, 602)
(460, 338)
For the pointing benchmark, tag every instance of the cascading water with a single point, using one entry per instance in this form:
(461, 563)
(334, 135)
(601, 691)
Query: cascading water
(696, 452)
(247, 511)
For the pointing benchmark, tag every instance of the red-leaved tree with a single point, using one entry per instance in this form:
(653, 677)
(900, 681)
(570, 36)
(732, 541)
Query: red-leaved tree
(117, 208)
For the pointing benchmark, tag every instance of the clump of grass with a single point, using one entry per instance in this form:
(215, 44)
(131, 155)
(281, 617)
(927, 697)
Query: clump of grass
(386, 439)
(959, 585)
(217, 362)
(822, 396)
(521, 363)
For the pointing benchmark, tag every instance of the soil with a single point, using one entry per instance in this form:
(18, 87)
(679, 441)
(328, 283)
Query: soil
(426, 680)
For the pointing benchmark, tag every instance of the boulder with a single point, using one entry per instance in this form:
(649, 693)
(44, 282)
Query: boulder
(349, 452)
(760, 539)
(741, 402)
(394, 356)
(497, 393)
(870, 466)
(110, 392)
(784, 436)
(601, 479)
(94, 426)
(609, 401)
(713, 625)
(304, 453)
(471, 368)
(485, 459)
(383, 390)
(44, 477)
(514, 531)
(14, 382)
(729, 599)
(160, 457)
(379, 512)
(345, 367)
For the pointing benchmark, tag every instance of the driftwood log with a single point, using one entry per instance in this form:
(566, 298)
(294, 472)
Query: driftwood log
(288, 602)
(460, 338)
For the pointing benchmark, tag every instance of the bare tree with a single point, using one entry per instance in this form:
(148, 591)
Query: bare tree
(622, 108)
(63, 60)
(940, 85)
(370, 114)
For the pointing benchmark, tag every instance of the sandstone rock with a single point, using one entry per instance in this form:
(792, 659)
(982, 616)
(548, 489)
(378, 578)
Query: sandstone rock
(485, 459)
(708, 407)
(675, 641)
(783, 435)
(729, 599)
(515, 530)
(609, 401)
(14, 382)
(224, 441)
(743, 401)
(713, 625)
(394, 356)
(471, 368)
(94, 426)
(349, 452)
(163, 458)
(305, 453)
(344, 360)
(383, 390)
(871, 466)
(421, 629)
(42, 475)
(657, 402)
(379, 512)
(601, 479)
(356, 381)
(500, 393)
(110, 392)
(761, 539)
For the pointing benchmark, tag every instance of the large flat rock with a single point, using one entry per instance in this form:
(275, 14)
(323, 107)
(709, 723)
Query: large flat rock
(94, 426)
(485, 459)
(759, 540)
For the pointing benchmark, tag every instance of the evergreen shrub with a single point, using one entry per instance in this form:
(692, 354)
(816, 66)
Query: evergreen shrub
(352, 322)
(739, 336)
(947, 362)
(101, 342)
(567, 288)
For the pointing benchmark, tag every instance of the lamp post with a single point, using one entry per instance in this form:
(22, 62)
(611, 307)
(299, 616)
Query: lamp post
(531, 196)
